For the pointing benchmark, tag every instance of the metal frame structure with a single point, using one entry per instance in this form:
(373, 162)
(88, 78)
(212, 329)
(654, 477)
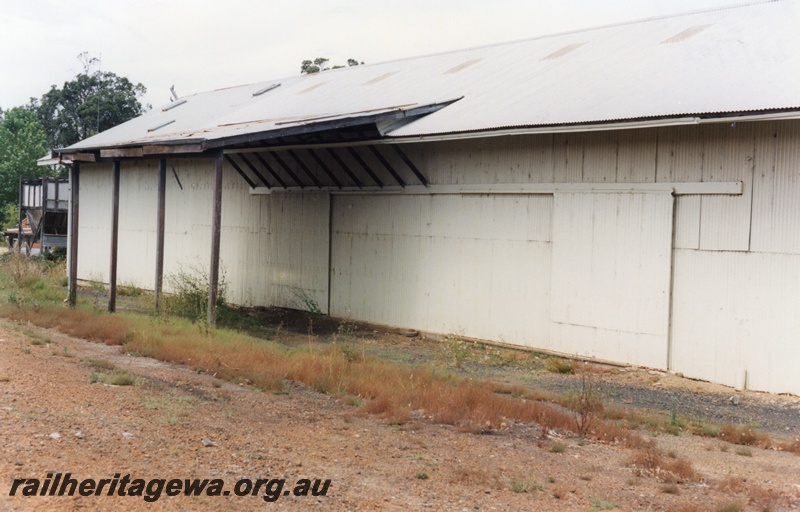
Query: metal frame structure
(45, 203)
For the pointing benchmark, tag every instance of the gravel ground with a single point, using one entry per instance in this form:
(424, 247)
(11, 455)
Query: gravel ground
(771, 413)
(175, 423)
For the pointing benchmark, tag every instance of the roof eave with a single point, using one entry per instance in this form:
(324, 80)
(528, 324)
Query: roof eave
(617, 124)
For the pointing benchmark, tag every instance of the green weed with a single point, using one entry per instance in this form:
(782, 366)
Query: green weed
(456, 349)
(561, 365)
(602, 504)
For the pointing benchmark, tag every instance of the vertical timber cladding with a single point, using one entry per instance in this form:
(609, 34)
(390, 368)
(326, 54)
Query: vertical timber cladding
(612, 257)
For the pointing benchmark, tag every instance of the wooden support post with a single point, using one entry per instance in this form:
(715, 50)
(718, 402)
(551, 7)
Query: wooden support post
(112, 274)
(162, 198)
(19, 216)
(43, 220)
(216, 221)
(74, 185)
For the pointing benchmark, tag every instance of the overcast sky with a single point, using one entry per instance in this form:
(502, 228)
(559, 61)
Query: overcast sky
(199, 45)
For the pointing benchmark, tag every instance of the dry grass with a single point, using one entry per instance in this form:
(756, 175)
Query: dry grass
(764, 499)
(730, 506)
(392, 390)
(587, 405)
(744, 435)
(559, 492)
(471, 475)
(670, 489)
(692, 507)
(789, 446)
(649, 461)
(101, 364)
(80, 323)
(732, 484)
(561, 365)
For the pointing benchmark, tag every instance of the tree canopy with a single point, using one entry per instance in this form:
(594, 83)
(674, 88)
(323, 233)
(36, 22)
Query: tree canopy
(22, 142)
(318, 64)
(90, 103)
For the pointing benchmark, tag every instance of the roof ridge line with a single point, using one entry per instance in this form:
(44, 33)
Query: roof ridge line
(578, 31)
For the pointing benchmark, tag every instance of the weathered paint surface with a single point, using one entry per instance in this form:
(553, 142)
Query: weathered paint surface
(472, 264)
(611, 276)
(736, 318)
(274, 249)
(515, 268)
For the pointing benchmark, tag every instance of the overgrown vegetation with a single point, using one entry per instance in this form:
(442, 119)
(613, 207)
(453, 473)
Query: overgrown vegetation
(305, 301)
(561, 365)
(114, 379)
(9, 215)
(456, 349)
(587, 404)
(602, 504)
(189, 295)
(397, 392)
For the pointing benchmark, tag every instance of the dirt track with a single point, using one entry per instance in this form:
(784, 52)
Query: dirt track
(156, 428)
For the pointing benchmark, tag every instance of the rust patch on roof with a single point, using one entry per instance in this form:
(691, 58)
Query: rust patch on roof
(563, 51)
(462, 66)
(685, 34)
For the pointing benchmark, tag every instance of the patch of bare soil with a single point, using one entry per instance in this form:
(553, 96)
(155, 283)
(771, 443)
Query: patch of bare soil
(175, 423)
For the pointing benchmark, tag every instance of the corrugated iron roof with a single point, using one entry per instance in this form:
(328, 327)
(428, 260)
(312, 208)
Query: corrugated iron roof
(712, 63)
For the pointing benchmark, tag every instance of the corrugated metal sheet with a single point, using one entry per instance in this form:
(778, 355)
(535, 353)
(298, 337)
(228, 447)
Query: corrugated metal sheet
(729, 156)
(95, 227)
(274, 248)
(627, 71)
(637, 156)
(735, 319)
(477, 265)
(776, 190)
(298, 265)
(574, 273)
(680, 158)
(611, 276)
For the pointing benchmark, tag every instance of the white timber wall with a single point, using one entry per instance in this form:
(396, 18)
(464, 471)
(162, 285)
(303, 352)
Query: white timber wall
(499, 267)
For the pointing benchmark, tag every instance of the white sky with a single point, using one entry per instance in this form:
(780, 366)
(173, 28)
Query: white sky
(199, 45)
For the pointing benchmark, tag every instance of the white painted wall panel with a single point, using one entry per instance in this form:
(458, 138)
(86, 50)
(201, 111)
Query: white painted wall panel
(680, 159)
(94, 237)
(729, 156)
(187, 243)
(637, 156)
(611, 275)
(568, 157)
(600, 157)
(137, 223)
(776, 190)
(481, 264)
(492, 160)
(465, 269)
(298, 264)
(258, 266)
(737, 312)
